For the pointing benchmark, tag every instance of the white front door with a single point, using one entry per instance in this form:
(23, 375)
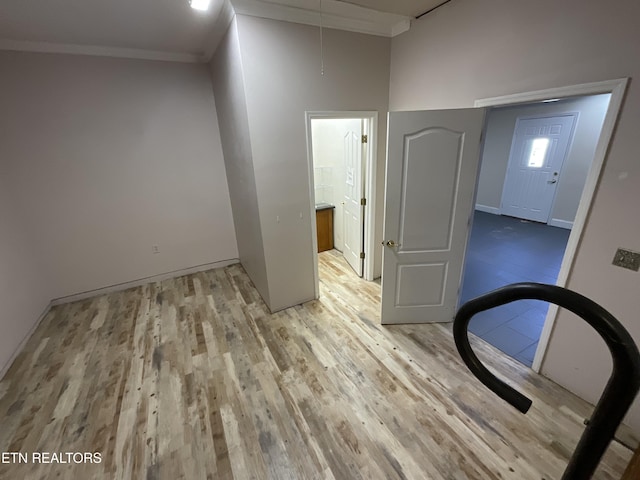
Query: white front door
(432, 165)
(538, 150)
(353, 210)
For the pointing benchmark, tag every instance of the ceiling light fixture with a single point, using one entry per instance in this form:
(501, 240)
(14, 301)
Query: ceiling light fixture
(202, 5)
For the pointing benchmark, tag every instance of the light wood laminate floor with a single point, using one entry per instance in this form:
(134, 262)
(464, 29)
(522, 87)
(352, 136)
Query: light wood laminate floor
(192, 378)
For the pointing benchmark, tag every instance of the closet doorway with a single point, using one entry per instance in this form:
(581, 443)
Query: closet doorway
(341, 151)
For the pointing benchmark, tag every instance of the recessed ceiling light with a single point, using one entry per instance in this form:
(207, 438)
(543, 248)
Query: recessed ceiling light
(201, 5)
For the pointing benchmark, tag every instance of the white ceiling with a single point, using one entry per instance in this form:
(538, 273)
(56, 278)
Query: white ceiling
(171, 30)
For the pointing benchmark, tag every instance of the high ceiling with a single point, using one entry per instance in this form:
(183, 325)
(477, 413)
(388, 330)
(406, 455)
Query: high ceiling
(170, 29)
(409, 8)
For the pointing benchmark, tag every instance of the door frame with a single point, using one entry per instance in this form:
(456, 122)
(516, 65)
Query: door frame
(576, 116)
(616, 88)
(369, 185)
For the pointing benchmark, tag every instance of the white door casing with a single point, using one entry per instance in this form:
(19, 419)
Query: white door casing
(352, 209)
(370, 126)
(538, 150)
(432, 165)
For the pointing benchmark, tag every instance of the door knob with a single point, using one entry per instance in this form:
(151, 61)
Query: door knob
(390, 243)
(552, 181)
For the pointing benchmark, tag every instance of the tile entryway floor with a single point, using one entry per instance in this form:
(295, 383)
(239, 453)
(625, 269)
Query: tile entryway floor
(504, 250)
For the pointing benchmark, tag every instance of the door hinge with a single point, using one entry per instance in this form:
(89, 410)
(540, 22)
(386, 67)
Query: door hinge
(361, 254)
(363, 201)
(365, 138)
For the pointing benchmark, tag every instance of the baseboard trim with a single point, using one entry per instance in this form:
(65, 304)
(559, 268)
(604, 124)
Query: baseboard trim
(5, 368)
(110, 289)
(555, 222)
(487, 209)
(143, 281)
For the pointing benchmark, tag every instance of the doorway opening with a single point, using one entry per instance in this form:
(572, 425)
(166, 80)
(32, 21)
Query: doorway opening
(536, 161)
(341, 152)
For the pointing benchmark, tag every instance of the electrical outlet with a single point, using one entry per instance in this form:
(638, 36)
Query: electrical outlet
(155, 249)
(627, 259)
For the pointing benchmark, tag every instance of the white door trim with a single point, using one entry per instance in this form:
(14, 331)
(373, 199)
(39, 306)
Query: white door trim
(369, 186)
(617, 89)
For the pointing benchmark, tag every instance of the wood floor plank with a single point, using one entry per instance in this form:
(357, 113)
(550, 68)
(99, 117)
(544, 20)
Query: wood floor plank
(193, 378)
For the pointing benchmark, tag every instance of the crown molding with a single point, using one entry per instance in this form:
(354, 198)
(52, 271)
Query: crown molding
(99, 51)
(335, 14)
(224, 16)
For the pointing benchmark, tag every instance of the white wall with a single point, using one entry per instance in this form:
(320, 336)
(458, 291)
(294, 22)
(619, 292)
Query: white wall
(501, 124)
(228, 84)
(25, 286)
(468, 50)
(281, 63)
(329, 168)
(107, 157)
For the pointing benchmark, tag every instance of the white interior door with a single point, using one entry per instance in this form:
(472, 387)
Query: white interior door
(353, 210)
(538, 151)
(432, 164)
